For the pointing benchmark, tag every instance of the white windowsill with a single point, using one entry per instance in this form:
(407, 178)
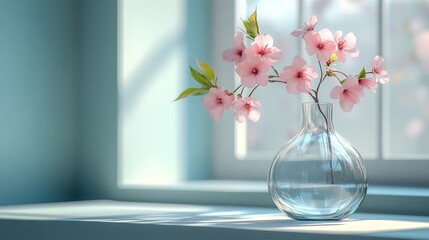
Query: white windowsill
(126, 220)
(380, 199)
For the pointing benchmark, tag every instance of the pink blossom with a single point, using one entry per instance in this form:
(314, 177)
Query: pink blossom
(379, 73)
(216, 101)
(345, 45)
(349, 93)
(422, 49)
(298, 76)
(247, 108)
(236, 53)
(368, 83)
(308, 27)
(415, 128)
(263, 46)
(253, 70)
(320, 43)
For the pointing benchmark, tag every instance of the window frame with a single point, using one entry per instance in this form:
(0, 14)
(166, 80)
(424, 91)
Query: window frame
(227, 166)
(254, 193)
(224, 164)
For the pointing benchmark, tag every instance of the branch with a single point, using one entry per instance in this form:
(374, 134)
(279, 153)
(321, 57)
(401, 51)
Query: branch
(253, 90)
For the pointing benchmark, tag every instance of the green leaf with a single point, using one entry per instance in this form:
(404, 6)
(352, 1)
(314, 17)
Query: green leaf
(254, 20)
(200, 78)
(251, 25)
(250, 29)
(190, 91)
(202, 91)
(362, 73)
(207, 70)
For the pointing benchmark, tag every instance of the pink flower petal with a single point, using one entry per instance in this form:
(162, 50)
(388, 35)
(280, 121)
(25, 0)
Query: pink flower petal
(275, 55)
(311, 23)
(326, 35)
(246, 108)
(349, 93)
(304, 86)
(311, 41)
(263, 46)
(235, 54)
(354, 52)
(216, 113)
(369, 83)
(262, 80)
(298, 32)
(383, 78)
(350, 82)
(254, 115)
(230, 55)
(358, 92)
(298, 62)
(346, 104)
(292, 87)
(298, 76)
(310, 73)
(253, 70)
(249, 82)
(336, 92)
(308, 27)
(216, 101)
(238, 41)
(379, 73)
(350, 39)
(341, 56)
(322, 44)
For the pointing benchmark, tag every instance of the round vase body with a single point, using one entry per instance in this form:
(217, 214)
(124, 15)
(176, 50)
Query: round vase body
(317, 175)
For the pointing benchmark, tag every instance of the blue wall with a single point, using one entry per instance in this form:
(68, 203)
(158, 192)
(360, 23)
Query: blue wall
(38, 100)
(58, 99)
(98, 145)
(98, 165)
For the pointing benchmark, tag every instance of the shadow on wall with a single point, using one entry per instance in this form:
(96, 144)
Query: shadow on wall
(38, 101)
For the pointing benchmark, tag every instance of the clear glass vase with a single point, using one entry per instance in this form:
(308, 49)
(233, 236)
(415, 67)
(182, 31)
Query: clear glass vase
(317, 175)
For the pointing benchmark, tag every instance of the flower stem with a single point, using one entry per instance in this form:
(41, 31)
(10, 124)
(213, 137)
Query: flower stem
(237, 88)
(253, 90)
(320, 82)
(328, 134)
(336, 71)
(277, 73)
(312, 96)
(276, 81)
(339, 80)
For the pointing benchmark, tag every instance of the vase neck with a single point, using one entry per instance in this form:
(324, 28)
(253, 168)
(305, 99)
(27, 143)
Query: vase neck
(317, 115)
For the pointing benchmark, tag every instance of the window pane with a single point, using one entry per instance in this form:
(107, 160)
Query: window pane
(407, 96)
(281, 111)
(359, 126)
(149, 123)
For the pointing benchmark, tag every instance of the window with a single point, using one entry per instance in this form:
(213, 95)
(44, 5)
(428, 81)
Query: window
(165, 142)
(156, 136)
(390, 125)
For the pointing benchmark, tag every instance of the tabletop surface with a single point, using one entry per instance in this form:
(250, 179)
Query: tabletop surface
(245, 219)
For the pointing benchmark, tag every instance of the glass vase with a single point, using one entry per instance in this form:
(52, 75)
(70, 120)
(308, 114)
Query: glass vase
(317, 175)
